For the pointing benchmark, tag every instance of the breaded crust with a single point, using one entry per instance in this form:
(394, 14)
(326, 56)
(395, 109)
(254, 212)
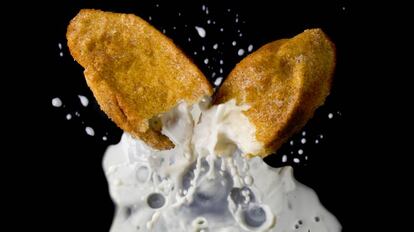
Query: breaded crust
(134, 71)
(284, 82)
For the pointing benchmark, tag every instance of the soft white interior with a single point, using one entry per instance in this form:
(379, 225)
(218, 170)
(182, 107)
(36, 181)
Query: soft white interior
(205, 183)
(224, 129)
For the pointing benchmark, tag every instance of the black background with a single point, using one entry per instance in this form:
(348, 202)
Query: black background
(66, 183)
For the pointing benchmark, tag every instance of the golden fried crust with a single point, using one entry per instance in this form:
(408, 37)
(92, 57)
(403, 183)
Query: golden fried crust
(134, 71)
(284, 82)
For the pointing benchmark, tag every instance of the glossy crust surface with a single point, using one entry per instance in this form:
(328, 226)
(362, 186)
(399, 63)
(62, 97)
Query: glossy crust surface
(134, 71)
(284, 82)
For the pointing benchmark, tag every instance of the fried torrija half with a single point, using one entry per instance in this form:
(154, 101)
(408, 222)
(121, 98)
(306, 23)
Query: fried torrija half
(134, 71)
(283, 82)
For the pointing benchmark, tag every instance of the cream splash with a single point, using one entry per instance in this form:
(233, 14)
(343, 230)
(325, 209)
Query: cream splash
(205, 183)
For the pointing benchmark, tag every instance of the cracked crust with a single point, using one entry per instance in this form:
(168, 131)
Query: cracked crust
(134, 71)
(284, 82)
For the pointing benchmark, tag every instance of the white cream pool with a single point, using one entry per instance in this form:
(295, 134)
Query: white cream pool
(205, 183)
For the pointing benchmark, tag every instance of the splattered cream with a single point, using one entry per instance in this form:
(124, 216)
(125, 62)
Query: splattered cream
(205, 183)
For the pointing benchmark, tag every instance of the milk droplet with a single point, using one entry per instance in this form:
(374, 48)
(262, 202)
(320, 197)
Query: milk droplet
(60, 45)
(303, 141)
(203, 48)
(234, 43)
(61, 54)
(296, 160)
(203, 7)
(217, 82)
(208, 21)
(221, 61)
(300, 151)
(221, 70)
(303, 133)
(89, 131)
(215, 46)
(201, 32)
(291, 142)
(104, 138)
(316, 141)
(221, 29)
(68, 117)
(248, 180)
(284, 158)
(206, 61)
(330, 115)
(56, 102)
(149, 18)
(84, 100)
(213, 74)
(250, 48)
(321, 136)
(240, 52)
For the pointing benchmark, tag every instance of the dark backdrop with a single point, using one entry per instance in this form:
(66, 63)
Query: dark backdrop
(67, 181)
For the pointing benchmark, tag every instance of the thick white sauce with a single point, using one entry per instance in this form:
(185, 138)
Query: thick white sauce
(205, 183)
